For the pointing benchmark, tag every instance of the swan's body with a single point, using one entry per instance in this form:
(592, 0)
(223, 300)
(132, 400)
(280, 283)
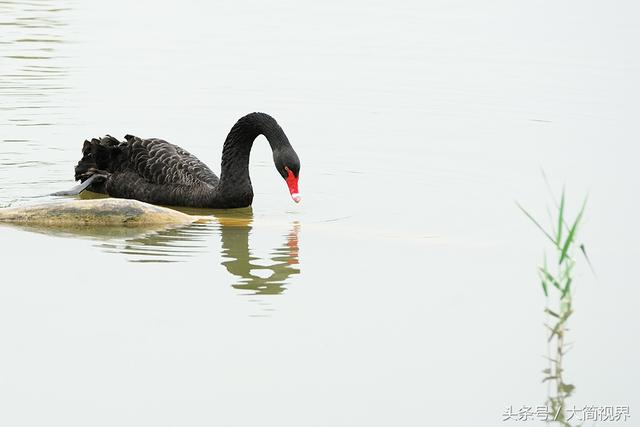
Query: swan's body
(155, 171)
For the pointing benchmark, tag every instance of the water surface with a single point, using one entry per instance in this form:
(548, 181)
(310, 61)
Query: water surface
(401, 291)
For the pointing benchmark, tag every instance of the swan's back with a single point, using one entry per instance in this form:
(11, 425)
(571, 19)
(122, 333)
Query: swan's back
(153, 160)
(151, 170)
(160, 162)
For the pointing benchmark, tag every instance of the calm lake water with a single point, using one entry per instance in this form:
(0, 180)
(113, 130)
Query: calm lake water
(401, 291)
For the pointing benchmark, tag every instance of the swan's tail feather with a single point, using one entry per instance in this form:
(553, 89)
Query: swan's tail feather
(100, 156)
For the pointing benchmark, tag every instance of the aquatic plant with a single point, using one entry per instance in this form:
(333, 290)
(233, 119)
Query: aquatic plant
(556, 279)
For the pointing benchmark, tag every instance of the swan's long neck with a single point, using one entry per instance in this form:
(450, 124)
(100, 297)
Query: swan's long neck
(234, 176)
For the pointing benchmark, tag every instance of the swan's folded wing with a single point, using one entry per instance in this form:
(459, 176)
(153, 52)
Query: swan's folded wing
(160, 162)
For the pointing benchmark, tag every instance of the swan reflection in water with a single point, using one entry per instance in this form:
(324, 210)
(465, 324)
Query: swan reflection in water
(258, 275)
(240, 262)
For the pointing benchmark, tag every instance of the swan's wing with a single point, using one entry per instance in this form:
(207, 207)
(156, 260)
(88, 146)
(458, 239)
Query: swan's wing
(160, 162)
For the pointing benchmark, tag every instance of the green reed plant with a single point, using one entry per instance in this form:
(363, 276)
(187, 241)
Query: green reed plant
(556, 279)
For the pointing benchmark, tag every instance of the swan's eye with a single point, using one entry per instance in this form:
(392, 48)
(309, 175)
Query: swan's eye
(288, 171)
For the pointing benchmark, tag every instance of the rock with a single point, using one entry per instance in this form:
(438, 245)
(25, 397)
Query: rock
(97, 212)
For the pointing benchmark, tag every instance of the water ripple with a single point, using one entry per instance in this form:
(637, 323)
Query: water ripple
(33, 70)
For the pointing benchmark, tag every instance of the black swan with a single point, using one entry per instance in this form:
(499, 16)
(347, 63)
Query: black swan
(155, 171)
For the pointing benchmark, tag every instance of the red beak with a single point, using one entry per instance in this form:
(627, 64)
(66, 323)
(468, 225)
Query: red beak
(292, 183)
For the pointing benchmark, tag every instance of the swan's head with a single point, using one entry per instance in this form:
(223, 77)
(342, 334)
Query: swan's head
(288, 166)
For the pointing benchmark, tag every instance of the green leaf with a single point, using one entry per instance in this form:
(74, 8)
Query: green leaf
(543, 280)
(544, 288)
(567, 287)
(536, 223)
(560, 219)
(551, 312)
(551, 221)
(550, 278)
(584, 252)
(572, 232)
